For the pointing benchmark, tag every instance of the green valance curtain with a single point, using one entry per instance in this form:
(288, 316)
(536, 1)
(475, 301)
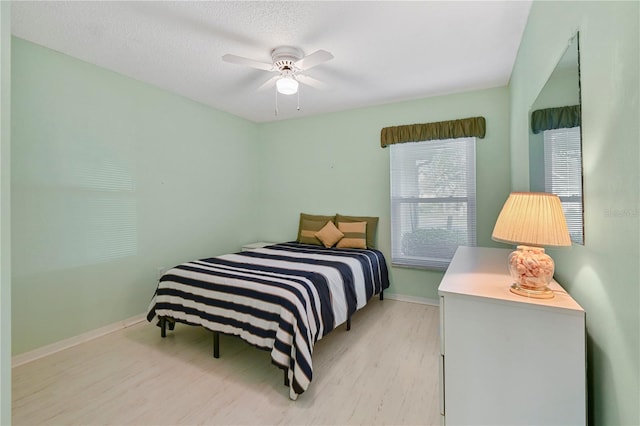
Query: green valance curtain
(463, 128)
(564, 117)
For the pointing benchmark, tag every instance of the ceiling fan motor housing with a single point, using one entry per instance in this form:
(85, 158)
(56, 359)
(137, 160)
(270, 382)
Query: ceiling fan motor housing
(285, 57)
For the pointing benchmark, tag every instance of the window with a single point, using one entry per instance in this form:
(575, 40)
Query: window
(433, 201)
(563, 174)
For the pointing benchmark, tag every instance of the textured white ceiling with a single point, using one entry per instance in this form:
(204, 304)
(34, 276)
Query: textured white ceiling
(384, 51)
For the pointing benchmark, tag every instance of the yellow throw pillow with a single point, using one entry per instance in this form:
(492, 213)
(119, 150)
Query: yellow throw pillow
(355, 235)
(329, 235)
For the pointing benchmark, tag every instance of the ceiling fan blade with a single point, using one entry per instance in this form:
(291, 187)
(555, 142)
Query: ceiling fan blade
(310, 61)
(310, 81)
(234, 59)
(269, 83)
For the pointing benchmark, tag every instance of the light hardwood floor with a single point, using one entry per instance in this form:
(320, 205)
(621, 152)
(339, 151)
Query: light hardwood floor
(383, 371)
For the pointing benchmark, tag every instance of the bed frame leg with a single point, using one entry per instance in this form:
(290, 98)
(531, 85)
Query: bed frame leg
(163, 326)
(163, 323)
(216, 344)
(381, 295)
(348, 324)
(286, 378)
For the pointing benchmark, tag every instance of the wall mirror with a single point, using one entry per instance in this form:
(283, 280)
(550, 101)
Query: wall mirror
(555, 139)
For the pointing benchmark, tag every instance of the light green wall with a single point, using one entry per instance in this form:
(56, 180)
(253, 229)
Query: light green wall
(334, 164)
(5, 213)
(604, 274)
(112, 179)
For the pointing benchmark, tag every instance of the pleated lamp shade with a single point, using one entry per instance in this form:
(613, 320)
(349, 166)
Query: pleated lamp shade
(533, 219)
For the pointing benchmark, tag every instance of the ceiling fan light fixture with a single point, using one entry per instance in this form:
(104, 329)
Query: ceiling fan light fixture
(287, 85)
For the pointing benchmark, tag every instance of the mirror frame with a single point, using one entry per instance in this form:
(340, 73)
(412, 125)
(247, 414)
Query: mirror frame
(536, 154)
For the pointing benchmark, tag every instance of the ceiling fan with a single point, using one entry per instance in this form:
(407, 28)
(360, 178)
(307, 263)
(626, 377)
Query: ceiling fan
(289, 62)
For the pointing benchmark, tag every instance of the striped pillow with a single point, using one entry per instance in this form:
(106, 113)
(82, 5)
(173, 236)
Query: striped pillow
(355, 235)
(372, 225)
(329, 235)
(309, 237)
(308, 229)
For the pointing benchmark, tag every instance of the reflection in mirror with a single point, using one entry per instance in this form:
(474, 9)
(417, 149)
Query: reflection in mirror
(555, 147)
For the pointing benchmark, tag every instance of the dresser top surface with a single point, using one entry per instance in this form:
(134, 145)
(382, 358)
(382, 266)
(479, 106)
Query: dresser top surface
(483, 272)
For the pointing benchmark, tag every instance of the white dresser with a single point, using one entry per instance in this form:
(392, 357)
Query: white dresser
(507, 359)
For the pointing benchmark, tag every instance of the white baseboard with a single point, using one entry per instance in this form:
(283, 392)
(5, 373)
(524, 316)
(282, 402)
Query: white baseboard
(412, 299)
(43, 351)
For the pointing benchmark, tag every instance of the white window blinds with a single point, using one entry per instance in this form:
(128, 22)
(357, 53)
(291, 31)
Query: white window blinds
(563, 175)
(433, 201)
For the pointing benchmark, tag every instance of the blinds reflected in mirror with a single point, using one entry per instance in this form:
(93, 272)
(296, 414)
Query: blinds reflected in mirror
(563, 175)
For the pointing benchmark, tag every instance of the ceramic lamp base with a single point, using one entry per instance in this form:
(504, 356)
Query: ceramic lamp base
(544, 293)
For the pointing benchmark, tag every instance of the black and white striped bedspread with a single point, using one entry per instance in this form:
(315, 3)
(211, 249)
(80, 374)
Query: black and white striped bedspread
(282, 297)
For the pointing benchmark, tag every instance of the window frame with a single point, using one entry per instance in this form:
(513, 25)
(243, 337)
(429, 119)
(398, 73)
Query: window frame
(436, 260)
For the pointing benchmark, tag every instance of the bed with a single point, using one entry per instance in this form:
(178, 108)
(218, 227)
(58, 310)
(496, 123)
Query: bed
(282, 298)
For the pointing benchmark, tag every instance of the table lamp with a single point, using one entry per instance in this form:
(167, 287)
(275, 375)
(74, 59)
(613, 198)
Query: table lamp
(532, 220)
